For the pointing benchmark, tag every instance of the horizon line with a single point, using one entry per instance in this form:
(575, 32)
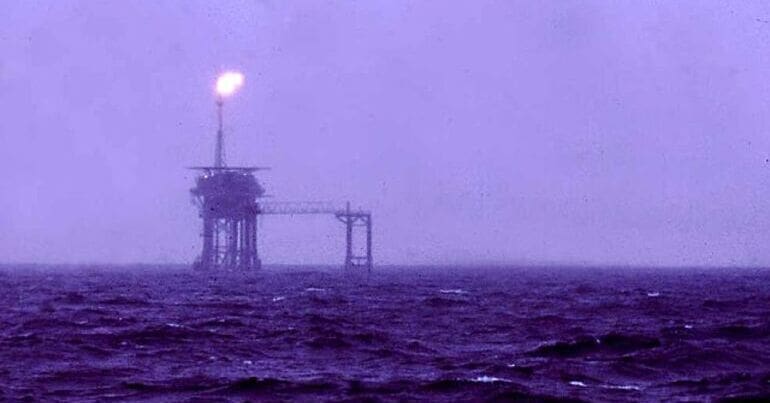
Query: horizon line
(496, 265)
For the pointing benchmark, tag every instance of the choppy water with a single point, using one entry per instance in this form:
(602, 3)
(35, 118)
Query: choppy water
(397, 334)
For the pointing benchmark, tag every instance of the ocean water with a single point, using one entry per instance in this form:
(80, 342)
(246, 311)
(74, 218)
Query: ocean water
(414, 334)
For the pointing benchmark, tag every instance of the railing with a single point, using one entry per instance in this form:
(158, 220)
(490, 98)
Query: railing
(304, 207)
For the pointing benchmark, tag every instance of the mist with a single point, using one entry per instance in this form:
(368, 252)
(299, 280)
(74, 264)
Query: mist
(476, 132)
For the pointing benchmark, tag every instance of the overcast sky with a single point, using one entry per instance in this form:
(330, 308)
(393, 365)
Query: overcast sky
(608, 132)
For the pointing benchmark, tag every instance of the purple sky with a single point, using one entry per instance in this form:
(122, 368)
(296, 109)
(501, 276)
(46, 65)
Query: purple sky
(477, 131)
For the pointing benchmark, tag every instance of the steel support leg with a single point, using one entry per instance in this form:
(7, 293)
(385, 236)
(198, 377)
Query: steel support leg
(369, 242)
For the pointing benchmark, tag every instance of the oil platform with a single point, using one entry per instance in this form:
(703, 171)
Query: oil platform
(231, 199)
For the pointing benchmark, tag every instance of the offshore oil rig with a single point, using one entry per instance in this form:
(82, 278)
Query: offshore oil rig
(231, 199)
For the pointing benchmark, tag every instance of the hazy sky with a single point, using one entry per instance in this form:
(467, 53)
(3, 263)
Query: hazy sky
(477, 131)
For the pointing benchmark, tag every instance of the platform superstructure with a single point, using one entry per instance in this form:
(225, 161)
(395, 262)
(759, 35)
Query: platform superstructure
(230, 201)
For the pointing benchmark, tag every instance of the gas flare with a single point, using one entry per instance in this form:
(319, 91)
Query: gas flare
(228, 82)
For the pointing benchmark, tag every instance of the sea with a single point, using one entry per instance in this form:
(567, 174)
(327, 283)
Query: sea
(167, 333)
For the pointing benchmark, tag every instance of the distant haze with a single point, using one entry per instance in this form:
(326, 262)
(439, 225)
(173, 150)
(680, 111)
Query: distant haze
(612, 132)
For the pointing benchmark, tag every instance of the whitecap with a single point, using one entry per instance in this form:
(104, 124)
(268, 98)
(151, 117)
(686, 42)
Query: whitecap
(248, 362)
(453, 291)
(622, 387)
(313, 289)
(578, 383)
(489, 379)
(688, 326)
(653, 294)
(173, 325)
(279, 298)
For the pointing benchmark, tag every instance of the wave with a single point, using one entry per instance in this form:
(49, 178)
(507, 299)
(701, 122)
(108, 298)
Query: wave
(441, 302)
(165, 335)
(226, 322)
(740, 331)
(487, 388)
(72, 297)
(125, 300)
(612, 343)
(455, 291)
(235, 306)
(240, 386)
(175, 385)
(253, 385)
(328, 342)
(686, 357)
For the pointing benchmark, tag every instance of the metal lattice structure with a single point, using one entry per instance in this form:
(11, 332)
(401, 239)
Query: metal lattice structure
(351, 218)
(356, 219)
(227, 204)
